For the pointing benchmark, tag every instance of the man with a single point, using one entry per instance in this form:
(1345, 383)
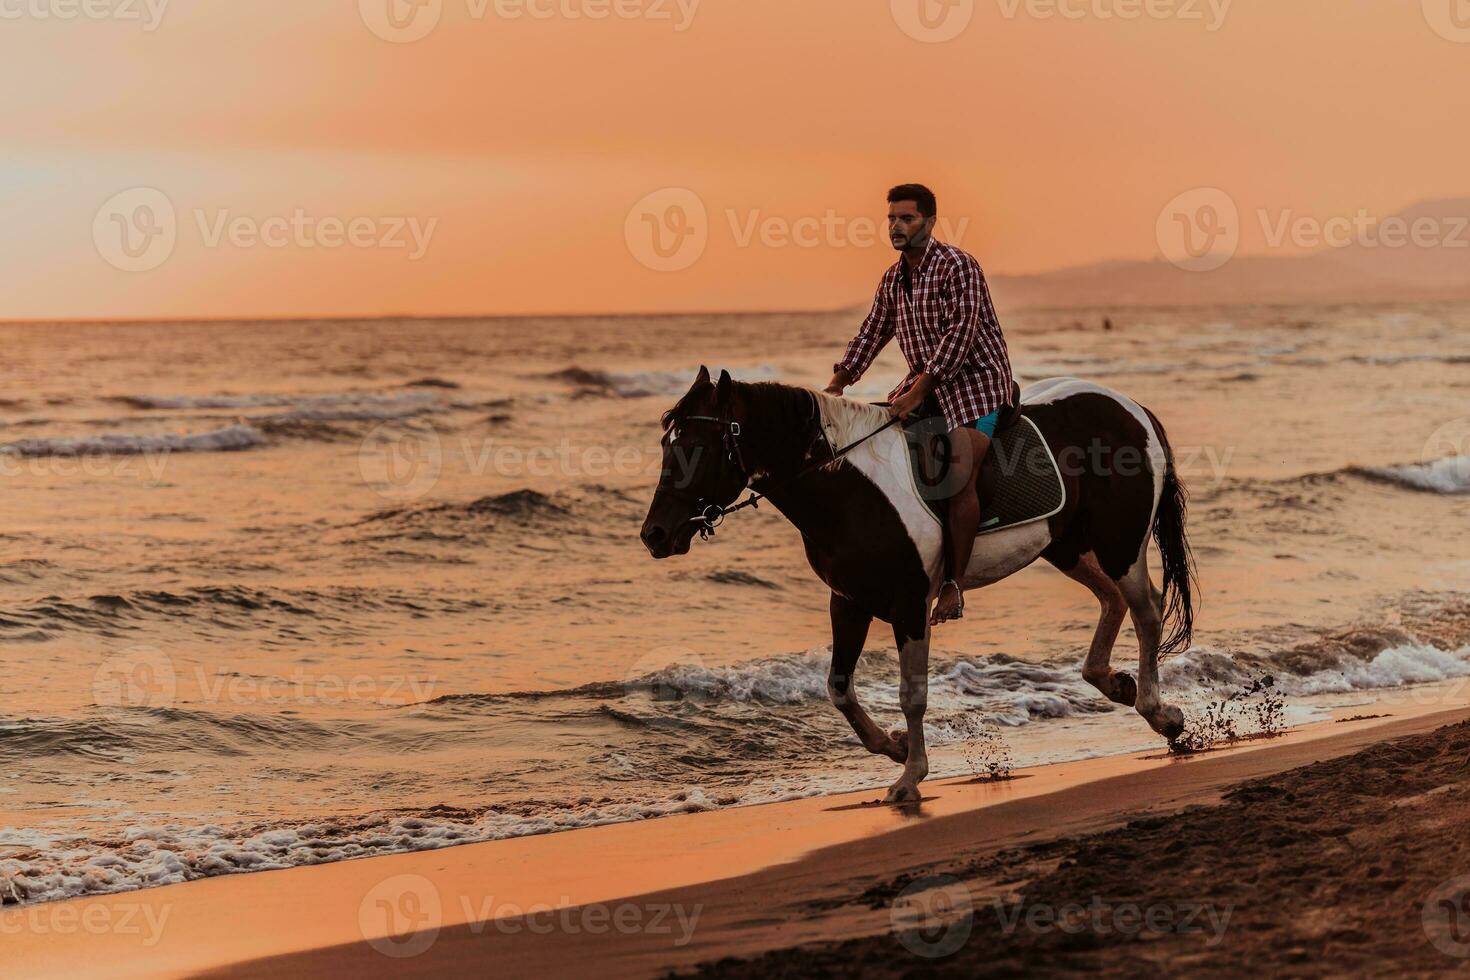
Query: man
(935, 300)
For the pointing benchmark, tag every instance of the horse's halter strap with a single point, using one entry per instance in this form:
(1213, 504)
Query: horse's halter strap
(731, 438)
(711, 516)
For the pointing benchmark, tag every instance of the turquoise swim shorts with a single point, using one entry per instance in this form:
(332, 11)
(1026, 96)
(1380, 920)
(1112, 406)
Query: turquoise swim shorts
(987, 424)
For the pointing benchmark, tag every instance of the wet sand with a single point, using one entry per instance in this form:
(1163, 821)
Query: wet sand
(643, 898)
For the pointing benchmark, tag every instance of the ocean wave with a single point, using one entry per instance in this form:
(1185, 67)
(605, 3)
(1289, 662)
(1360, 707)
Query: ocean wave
(148, 855)
(302, 401)
(124, 731)
(209, 610)
(231, 438)
(728, 735)
(1450, 475)
(590, 509)
(1011, 692)
(642, 384)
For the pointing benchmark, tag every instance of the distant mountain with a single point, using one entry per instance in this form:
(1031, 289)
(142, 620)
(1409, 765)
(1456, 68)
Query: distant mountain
(1357, 273)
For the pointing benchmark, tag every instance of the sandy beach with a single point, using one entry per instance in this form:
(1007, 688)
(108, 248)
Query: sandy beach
(792, 888)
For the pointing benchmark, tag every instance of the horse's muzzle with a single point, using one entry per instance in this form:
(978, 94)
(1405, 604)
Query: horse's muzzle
(661, 544)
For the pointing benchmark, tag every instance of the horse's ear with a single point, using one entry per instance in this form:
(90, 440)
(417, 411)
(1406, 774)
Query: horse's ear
(722, 388)
(703, 376)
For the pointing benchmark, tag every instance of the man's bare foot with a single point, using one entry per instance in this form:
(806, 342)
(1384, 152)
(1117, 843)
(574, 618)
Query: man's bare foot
(949, 605)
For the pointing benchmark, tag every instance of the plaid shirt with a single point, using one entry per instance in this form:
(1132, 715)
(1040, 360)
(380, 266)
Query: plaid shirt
(947, 329)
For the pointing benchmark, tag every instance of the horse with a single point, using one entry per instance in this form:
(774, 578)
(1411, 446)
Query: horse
(870, 537)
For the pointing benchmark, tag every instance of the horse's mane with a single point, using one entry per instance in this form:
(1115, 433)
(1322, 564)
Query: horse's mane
(850, 419)
(782, 415)
(769, 397)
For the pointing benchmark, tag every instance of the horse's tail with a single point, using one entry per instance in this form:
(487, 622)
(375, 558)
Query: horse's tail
(1180, 580)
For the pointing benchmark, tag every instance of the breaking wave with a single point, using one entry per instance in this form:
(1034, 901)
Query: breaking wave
(642, 384)
(1450, 475)
(678, 737)
(231, 438)
(210, 610)
(347, 404)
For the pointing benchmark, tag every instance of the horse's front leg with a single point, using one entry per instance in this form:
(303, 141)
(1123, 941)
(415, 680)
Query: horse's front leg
(912, 637)
(849, 632)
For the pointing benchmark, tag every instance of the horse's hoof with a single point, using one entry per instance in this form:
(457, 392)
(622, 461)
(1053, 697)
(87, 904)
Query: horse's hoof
(899, 740)
(1125, 689)
(1173, 725)
(902, 792)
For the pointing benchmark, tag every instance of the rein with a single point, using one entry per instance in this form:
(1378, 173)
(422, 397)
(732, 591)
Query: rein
(713, 515)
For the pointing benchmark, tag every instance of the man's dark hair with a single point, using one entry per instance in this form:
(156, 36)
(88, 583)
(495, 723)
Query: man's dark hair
(919, 194)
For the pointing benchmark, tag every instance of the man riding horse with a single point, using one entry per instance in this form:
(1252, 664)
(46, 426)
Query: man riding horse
(935, 300)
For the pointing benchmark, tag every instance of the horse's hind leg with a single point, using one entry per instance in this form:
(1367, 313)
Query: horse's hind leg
(1115, 685)
(849, 632)
(1144, 603)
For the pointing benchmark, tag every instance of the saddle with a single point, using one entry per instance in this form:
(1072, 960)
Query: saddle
(1019, 481)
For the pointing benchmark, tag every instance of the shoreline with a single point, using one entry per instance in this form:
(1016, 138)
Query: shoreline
(643, 897)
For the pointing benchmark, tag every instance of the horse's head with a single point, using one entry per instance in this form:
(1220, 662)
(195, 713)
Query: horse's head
(702, 467)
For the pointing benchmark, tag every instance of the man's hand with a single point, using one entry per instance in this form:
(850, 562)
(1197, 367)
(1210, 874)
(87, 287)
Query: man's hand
(839, 381)
(912, 397)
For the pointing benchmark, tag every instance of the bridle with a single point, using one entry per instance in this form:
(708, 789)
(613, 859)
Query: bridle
(711, 516)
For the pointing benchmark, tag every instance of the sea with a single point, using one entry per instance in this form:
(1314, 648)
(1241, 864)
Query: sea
(281, 593)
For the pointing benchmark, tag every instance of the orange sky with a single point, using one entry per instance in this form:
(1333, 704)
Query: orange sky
(519, 145)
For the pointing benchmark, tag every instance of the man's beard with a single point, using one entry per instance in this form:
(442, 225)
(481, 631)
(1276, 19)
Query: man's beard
(908, 244)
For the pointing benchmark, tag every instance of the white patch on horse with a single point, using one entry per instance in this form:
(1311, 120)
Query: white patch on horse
(884, 460)
(1003, 553)
(1056, 389)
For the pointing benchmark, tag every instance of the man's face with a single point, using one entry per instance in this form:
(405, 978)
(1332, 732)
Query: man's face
(907, 228)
